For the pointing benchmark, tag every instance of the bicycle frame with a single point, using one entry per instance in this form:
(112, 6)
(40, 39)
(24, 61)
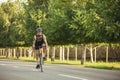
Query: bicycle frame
(41, 59)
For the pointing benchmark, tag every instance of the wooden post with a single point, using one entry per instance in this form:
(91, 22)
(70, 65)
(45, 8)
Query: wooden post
(95, 54)
(48, 52)
(107, 54)
(76, 53)
(14, 52)
(24, 52)
(53, 54)
(6, 52)
(20, 52)
(0, 52)
(3, 52)
(68, 53)
(60, 53)
(29, 52)
(63, 53)
(9, 52)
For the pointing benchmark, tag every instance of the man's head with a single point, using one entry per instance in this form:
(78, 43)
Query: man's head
(39, 31)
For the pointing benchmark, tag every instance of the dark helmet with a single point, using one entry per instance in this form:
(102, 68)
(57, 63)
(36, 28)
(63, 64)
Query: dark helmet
(39, 29)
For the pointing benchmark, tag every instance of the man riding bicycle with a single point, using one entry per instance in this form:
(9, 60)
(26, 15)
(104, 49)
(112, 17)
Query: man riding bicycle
(40, 42)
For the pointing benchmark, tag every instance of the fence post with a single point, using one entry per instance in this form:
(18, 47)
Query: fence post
(6, 52)
(48, 52)
(20, 52)
(0, 52)
(53, 54)
(63, 53)
(60, 53)
(3, 52)
(14, 52)
(107, 54)
(24, 52)
(76, 53)
(95, 54)
(11, 52)
(68, 53)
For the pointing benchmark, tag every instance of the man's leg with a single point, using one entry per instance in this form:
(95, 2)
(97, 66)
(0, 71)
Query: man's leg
(44, 53)
(36, 56)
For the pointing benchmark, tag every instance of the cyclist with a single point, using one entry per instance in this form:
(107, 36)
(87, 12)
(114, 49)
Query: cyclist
(39, 42)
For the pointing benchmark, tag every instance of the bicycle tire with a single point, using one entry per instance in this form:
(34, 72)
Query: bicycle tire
(41, 62)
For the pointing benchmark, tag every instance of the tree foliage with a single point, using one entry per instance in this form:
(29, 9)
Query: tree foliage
(11, 24)
(63, 21)
(35, 11)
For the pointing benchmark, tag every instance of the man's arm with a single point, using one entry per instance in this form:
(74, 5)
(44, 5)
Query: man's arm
(45, 40)
(34, 38)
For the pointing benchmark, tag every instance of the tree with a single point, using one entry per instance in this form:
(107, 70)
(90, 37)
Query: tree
(109, 12)
(36, 11)
(58, 21)
(11, 23)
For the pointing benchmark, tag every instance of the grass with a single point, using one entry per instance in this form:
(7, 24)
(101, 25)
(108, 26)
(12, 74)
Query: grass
(98, 65)
(104, 65)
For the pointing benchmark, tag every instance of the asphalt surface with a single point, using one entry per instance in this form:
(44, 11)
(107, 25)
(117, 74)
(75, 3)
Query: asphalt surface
(19, 70)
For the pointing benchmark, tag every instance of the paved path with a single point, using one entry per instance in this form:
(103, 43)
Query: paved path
(18, 70)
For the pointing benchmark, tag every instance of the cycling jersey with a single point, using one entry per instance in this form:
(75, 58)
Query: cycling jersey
(39, 41)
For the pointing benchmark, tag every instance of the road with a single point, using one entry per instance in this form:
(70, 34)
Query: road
(19, 70)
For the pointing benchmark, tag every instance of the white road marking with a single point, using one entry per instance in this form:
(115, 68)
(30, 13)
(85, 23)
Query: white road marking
(74, 77)
(15, 66)
(2, 64)
(34, 70)
(28, 65)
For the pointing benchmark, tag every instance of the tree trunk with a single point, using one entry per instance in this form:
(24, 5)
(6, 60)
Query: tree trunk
(91, 54)
(83, 56)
